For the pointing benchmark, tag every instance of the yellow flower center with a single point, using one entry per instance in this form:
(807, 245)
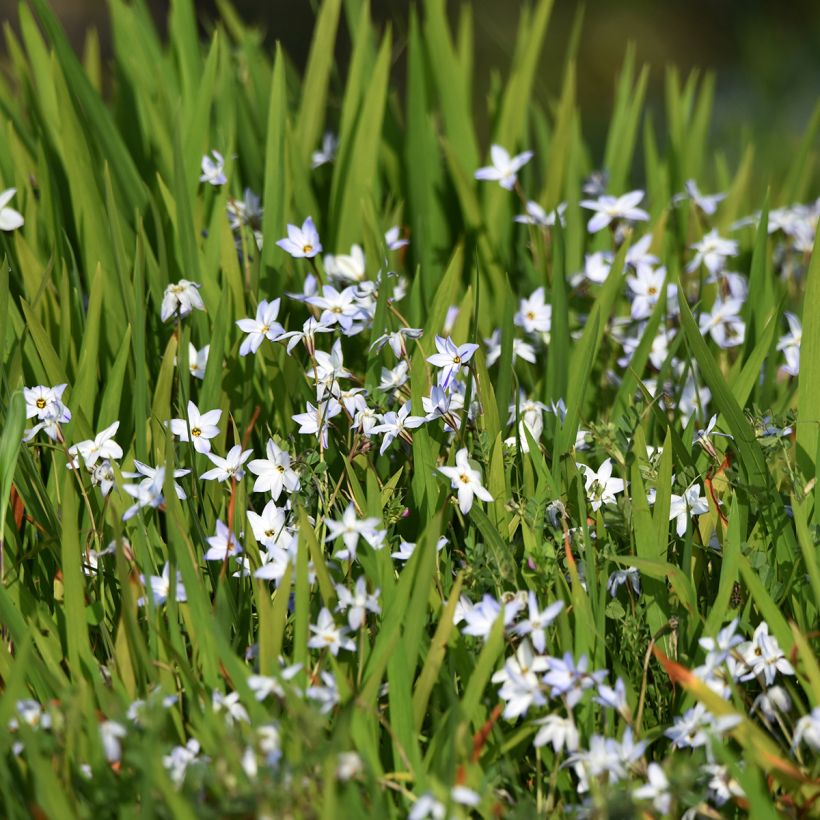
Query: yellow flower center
(307, 249)
(195, 431)
(464, 478)
(41, 403)
(652, 291)
(457, 359)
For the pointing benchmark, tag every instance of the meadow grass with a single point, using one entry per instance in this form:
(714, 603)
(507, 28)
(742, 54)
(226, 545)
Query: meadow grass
(484, 517)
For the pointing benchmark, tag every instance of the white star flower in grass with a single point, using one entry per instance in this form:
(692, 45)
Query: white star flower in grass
(712, 251)
(180, 299)
(202, 427)
(327, 153)
(326, 635)
(392, 240)
(213, 169)
(351, 528)
(101, 447)
(198, 360)
(397, 424)
(427, 807)
(339, 307)
(559, 732)
(269, 526)
(302, 243)
(706, 202)
(316, 420)
(46, 403)
(157, 475)
(538, 620)
(601, 487)
(396, 340)
(451, 358)
(274, 473)
(723, 323)
(10, 220)
(160, 586)
(683, 507)
(223, 544)
(346, 267)
(147, 493)
(466, 480)
(656, 789)
(534, 314)
(264, 326)
(480, 618)
(520, 684)
(536, 215)
(807, 730)
(111, 733)
(357, 603)
(505, 168)
(611, 209)
(228, 468)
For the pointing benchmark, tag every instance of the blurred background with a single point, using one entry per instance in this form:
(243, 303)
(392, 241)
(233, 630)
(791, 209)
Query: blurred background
(765, 54)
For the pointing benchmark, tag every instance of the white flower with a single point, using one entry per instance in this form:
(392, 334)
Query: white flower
(391, 239)
(264, 326)
(707, 203)
(147, 493)
(559, 732)
(397, 424)
(161, 587)
(601, 488)
(45, 403)
(328, 635)
(181, 298)
(521, 686)
(302, 242)
(223, 544)
(624, 576)
(202, 427)
(451, 358)
(763, 656)
(481, 617)
(198, 360)
(316, 420)
(807, 730)
(505, 168)
(723, 322)
(212, 169)
(274, 472)
(10, 220)
(350, 529)
(349, 268)
(357, 603)
(534, 315)
(466, 480)
(611, 208)
(228, 468)
(536, 624)
(656, 789)
(327, 153)
(111, 733)
(101, 447)
(646, 287)
(338, 307)
(712, 251)
(683, 507)
(536, 215)
(179, 759)
(234, 710)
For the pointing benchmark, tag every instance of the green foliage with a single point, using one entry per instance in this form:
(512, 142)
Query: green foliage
(114, 214)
